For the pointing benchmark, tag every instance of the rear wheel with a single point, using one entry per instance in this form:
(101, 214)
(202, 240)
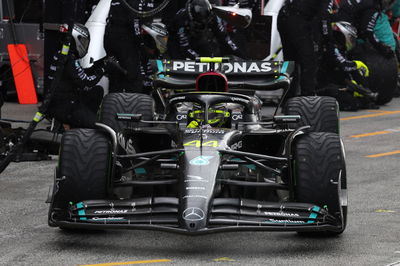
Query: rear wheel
(321, 113)
(128, 103)
(82, 170)
(321, 175)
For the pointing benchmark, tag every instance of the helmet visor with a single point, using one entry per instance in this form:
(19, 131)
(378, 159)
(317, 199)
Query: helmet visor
(215, 116)
(84, 43)
(81, 37)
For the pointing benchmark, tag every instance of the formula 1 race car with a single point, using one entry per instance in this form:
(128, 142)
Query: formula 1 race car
(211, 162)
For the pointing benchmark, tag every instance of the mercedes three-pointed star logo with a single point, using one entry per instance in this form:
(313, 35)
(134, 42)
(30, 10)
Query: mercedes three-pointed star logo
(193, 214)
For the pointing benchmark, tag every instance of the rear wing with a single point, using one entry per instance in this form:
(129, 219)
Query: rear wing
(257, 75)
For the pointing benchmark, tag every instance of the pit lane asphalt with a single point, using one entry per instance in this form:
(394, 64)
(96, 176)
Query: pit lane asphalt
(372, 236)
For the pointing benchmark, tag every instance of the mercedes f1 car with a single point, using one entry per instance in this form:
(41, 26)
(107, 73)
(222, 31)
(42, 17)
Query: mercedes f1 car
(211, 162)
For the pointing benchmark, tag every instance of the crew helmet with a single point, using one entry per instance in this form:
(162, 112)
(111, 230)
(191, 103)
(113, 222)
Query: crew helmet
(81, 37)
(200, 12)
(345, 30)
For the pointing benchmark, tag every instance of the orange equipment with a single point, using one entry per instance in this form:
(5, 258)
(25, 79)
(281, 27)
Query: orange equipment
(22, 73)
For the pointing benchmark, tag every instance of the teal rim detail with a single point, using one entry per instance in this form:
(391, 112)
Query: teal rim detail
(82, 211)
(160, 68)
(314, 214)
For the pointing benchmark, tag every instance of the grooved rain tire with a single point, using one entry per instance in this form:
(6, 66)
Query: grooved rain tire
(83, 164)
(318, 163)
(129, 103)
(382, 72)
(321, 113)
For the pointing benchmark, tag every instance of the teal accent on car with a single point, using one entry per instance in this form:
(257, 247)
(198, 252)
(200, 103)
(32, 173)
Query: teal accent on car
(250, 166)
(140, 171)
(314, 214)
(81, 212)
(160, 68)
(284, 68)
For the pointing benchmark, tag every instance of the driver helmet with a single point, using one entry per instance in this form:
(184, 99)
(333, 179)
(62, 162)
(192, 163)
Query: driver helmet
(81, 37)
(217, 116)
(200, 13)
(345, 32)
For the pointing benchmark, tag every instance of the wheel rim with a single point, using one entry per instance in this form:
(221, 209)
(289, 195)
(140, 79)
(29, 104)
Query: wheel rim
(342, 189)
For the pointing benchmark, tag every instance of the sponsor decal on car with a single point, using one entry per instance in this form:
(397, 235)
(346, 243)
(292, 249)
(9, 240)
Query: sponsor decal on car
(193, 214)
(126, 144)
(111, 211)
(234, 67)
(204, 131)
(237, 145)
(181, 117)
(179, 98)
(108, 219)
(195, 196)
(195, 188)
(237, 99)
(282, 214)
(195, 178)
(198, 143)
(284, 221)
(237, 116)
(201, 160)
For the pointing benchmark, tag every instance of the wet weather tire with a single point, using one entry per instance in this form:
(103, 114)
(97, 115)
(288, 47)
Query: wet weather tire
(320, 174)
(83, 167)
(321, 113)
(128, 103)
(383, 72)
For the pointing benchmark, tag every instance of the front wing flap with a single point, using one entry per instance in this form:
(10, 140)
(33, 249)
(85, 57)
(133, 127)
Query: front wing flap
(227, 214)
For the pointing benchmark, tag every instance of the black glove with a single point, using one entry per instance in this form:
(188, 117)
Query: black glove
(111, 64)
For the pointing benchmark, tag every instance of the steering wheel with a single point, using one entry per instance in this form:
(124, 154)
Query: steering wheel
(145, 14)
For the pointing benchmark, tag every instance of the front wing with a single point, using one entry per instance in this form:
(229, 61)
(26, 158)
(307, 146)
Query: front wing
(227, 214)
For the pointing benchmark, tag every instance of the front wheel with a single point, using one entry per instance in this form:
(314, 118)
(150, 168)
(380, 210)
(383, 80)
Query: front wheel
(320, 173)
(82, 171)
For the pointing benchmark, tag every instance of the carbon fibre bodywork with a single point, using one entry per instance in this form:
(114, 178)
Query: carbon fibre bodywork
(238, 177)
(200, 165)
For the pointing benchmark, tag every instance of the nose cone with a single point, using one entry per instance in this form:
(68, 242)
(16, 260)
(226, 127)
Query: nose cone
(194, 219)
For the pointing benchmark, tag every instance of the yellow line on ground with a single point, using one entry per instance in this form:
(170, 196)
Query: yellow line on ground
(223, 259)
(386, 211)
(375, 114)
(376, 111)
(383, 154)
(127, 262)
(371, 134)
